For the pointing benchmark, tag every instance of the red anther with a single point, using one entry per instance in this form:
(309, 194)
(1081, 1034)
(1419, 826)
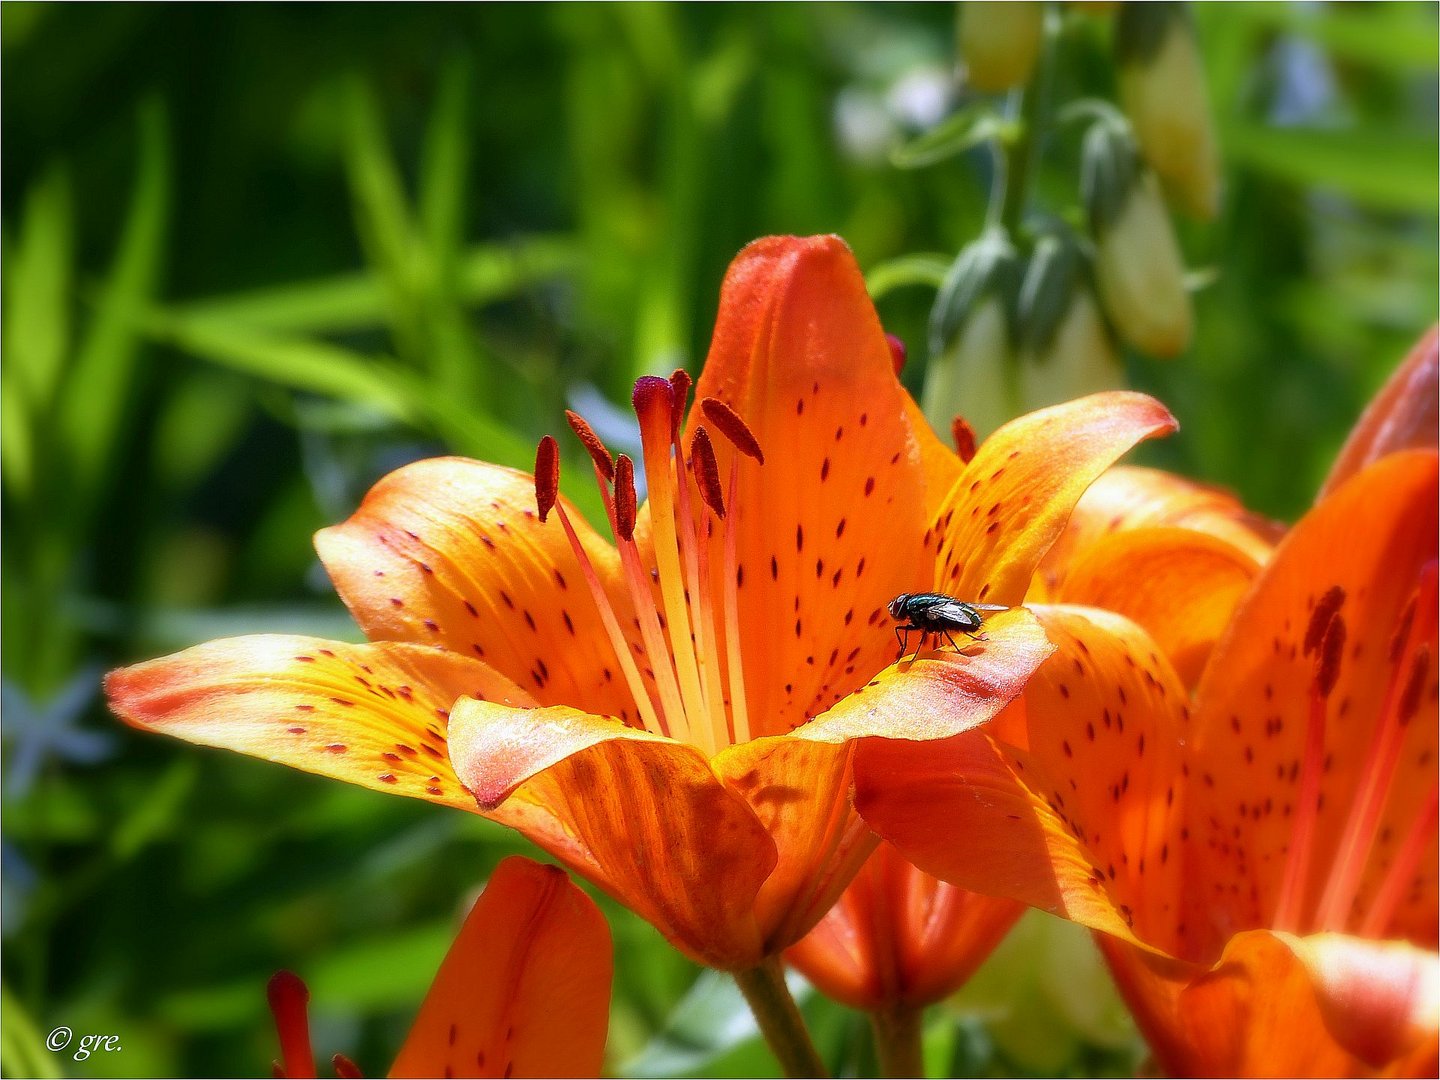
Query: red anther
(964, 436)
(1414, 686)
(652, 393)
(729, 424)
(707, 471)
(547, 475)
(1320, 618)
(288, 997)
(593, 446)
(680, 383)
(344, 1068)
(625, 497)
(1331, 653)
(898, 351)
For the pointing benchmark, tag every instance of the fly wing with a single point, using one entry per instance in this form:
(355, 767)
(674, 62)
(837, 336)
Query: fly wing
(946, 609)
(989, 607)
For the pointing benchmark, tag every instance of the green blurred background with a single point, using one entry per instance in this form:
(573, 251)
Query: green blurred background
(256, 256)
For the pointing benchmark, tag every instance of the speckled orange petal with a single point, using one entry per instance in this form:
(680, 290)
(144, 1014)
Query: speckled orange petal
(373, 715)
(1326, 1005)
(449, 551)
(525, 989)
(1017, 492)
(1128, 497)
(1370, 538)
(654, 826)
(900, 937)
(1179, 584)
(1065, 802)
(800, 792)
(1402, 415)
(830, 528)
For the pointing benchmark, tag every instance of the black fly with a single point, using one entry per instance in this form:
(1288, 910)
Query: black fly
(938, 614)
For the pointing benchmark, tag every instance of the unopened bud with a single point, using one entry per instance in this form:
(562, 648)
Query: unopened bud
(1163, 90)
(971, 335)
(1138, 266)
(1066, 350)
(1000, 42)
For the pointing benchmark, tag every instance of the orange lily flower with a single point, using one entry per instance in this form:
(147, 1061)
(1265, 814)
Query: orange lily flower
(523, 991)
(674, 717)
(900, 939)
(1262, 863)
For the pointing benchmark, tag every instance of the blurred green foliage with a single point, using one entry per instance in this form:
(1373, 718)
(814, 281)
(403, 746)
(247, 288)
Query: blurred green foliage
(255, 256)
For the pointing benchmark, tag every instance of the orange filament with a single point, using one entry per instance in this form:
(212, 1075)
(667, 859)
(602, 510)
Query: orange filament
(654, 405)
(1297, 864)
(1410, 657)
(1401, 875)
(690, 670)
(289, 997)
(671, 708)
(547, 484)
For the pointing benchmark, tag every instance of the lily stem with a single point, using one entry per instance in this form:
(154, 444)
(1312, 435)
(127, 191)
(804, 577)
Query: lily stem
(779, 1018)
(897, 1041)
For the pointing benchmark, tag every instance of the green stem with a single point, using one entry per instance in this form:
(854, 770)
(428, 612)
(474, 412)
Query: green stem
(897, 1041)
(1026, 113)
(780, 1021)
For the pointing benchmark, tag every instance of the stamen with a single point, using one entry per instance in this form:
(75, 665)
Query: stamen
(672, 712)
(1401, 875)
(964, 436)
(654, 405)
(697, 568)
(1409, 656)
(680, 383)
(729, 424)
(707, 472)
(625, 498)
(547, 476)
(596, 449)
(1307, 807)
(734, 660)
(288, 998)
(898, 352)
(648, 717)
(345, 1069)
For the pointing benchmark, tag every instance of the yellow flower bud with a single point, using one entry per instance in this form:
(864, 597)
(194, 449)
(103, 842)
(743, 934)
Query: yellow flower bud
(971, 368)
(1081, 359)
(1138, 266)
(999, 42)
(1163, 90)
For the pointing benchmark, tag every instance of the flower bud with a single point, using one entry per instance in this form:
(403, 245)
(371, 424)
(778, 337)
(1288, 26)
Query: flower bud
(971, 335)
(1065, 348)
(1162, 89)
(999, 42)
(1138, 267)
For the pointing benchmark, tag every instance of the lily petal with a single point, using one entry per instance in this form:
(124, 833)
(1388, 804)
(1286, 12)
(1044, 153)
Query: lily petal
(1128, 497)
(525, 989)
(900, 937)
(373, 715)
(449, 551)
(650, 822)
(1181, 585)
(1379, 1003)
(1402, 416)
(1016, 494)
(829, 528)
(1064, 801)
(1370, 539)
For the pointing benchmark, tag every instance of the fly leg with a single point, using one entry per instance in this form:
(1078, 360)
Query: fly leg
(904, 640)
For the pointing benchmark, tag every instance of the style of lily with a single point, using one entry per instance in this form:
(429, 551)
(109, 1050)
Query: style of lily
(899, 939)
(1262, 860)
(523, 992)
(674, 717)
